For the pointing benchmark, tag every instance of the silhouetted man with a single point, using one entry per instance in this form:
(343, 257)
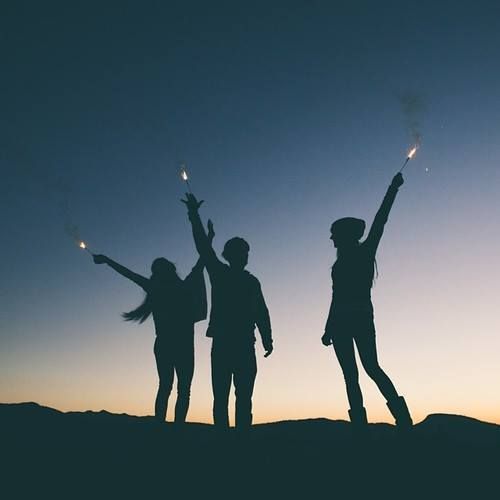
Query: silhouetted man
(237, 307)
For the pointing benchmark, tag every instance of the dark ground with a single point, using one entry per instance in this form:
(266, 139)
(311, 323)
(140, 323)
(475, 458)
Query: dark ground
(49, 453)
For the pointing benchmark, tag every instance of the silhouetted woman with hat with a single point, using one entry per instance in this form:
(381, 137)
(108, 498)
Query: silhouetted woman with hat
(176, 305)
(350, 320)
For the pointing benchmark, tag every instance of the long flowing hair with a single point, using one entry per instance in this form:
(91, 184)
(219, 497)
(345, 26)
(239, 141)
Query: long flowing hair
(163, 272)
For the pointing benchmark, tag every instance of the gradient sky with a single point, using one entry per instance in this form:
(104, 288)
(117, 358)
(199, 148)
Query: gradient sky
(288, 116)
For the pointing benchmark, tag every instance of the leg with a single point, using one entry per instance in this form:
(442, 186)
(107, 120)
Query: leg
(165, 370)
(184, 369)
(368, 354)
(221, 385)
(397, 405)
(244, 380)
(344, 349)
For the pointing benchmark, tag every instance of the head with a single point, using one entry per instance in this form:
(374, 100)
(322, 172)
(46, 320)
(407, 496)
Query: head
(236, 252)
(347, 232)
(163, 269)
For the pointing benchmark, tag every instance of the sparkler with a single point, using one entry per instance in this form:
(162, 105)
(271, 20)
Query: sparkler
(185, 177)
(84, 246)
(411, 154)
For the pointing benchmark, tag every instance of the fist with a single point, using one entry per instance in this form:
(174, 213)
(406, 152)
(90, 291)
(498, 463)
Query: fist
(326, 339)
(397, 180)
(268, 347)
(100, 259)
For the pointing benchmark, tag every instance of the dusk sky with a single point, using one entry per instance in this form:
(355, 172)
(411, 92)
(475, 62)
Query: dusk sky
(289, 115)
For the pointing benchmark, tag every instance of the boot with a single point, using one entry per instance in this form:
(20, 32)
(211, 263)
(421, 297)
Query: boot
(400, 412)
(358, 417)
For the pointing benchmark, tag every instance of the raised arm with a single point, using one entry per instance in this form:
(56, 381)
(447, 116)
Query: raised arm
(198, 267)
(195, 283)
(201, 240)
(263, 322)
(378, 224)
(136, 278)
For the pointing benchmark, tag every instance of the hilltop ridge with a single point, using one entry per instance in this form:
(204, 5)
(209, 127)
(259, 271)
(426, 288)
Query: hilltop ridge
(128, 455)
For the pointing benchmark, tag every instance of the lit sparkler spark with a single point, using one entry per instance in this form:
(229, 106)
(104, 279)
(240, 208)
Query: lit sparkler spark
(411, 154)
(185, 177)
(84, 246)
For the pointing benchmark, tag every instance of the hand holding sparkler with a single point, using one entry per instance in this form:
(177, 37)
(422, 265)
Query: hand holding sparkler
(192, 203)
(100, 259)
(397, 180)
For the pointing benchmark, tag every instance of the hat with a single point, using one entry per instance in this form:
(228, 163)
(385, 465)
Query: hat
(348, 228)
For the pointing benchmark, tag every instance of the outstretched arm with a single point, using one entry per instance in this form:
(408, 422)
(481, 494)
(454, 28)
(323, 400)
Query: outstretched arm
(136, 278)
(263, 322)
(201, 240)
(378, 224)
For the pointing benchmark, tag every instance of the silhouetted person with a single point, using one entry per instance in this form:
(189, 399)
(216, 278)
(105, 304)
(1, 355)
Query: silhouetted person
(238, 306)
(350, 319)
(176, 305)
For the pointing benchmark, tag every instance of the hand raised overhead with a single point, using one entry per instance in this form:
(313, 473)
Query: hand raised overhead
(211, 232)
(192, 203)
(397, 180)
(100, 259)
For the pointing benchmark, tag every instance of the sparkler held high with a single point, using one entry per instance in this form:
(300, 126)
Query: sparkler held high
(185, 177)
(411, 154)
(84, 246)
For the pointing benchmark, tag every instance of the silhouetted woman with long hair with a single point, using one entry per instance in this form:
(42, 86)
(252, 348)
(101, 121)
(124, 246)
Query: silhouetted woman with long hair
(350, 320)
(176, 305)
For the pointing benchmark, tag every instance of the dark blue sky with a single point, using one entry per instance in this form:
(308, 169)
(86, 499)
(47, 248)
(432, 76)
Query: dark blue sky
(288, 115)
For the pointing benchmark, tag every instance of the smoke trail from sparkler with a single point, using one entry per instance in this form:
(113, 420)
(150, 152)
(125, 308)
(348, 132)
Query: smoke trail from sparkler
(31, 172)
(413, 106)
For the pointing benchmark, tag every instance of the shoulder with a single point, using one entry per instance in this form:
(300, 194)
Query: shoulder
(367, 247)
(221, 269)
(146, 285)
(253, 280)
